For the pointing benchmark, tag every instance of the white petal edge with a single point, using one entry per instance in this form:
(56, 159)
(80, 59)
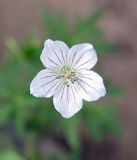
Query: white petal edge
(90, 85)
(67, 102)
(82, 56)
(54, 54)
(45, 84)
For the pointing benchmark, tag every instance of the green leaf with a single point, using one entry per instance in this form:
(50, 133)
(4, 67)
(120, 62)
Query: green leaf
(56, 26)
(101, 120)
(31, 48)
(10, 155)
(69, 127)
(88, 24)
(5, 112)
(112, 89)
(14, 48)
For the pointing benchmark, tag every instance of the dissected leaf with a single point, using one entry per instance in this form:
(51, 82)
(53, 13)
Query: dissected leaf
(101, 120)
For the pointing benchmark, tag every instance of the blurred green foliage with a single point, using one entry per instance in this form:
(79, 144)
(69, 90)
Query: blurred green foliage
(84, 30)
(30, 115)
(10, 155)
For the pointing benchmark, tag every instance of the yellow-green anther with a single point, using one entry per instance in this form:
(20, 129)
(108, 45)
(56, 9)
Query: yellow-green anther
(69, 75)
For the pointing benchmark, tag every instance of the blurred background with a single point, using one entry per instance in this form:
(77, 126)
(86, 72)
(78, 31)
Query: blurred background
(30, 128)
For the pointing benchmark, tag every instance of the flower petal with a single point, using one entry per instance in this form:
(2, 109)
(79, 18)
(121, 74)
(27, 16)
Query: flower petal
(54, 54)
(45, 84)
(82, 56)
(90, 85)
(67, 102)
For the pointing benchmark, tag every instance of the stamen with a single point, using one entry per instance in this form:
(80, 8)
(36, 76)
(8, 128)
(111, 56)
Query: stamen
(68, 74)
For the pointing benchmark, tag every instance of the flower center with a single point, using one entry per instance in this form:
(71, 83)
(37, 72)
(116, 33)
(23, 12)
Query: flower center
(69, 75)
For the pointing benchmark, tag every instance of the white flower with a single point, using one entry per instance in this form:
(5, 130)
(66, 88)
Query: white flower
(67, 76)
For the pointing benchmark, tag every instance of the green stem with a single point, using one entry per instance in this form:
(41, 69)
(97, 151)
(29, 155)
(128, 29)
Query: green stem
(31, 146)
